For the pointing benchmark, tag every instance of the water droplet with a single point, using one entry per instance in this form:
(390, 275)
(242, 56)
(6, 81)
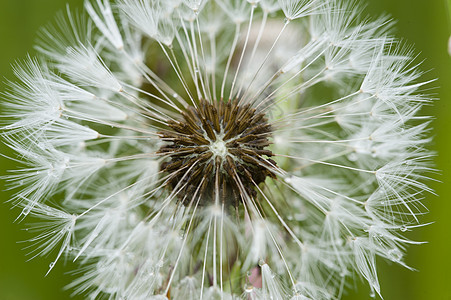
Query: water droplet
(352, 157)
(403, 228)
(373, 294)
(395, 254)
(51, 265)
(159, 264)
(26, 211)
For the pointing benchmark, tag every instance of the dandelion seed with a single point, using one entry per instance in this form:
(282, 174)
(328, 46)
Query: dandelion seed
(202, 149)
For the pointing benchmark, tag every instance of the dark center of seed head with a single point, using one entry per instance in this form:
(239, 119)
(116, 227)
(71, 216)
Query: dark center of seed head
(217, 153)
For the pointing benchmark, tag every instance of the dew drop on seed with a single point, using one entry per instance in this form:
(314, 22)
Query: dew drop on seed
(373, 294)
(51, 265)
(403, 228)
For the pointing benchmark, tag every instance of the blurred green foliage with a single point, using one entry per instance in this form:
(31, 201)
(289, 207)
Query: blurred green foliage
(425, 24)
(19, 279)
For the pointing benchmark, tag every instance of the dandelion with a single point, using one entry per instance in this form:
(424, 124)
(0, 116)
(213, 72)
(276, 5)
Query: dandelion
(219, 149)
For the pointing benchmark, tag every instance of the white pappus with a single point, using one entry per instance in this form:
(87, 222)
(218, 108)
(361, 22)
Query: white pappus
(219, 149)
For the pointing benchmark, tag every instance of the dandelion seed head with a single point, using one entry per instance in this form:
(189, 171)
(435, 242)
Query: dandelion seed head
(219, 149)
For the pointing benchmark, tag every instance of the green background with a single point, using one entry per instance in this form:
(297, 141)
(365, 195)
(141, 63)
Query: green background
(425, 24)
